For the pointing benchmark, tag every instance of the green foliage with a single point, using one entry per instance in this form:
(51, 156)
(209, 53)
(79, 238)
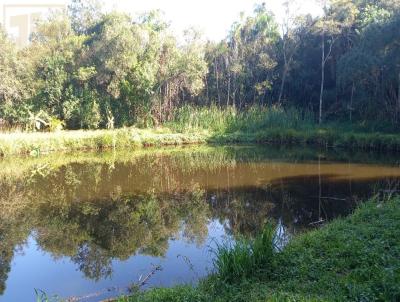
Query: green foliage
(243, 69)
(234, 262)
(176, 294)
(14, 89)
(193, 125)
(91, 69)
(84, 14)
(25, 143)
(89, 112)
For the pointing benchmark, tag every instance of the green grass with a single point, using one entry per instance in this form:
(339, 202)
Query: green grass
(241, 260)
(194, 125)
(315, 137)
(39, 143)
(351, 259)
(275, 125)
(230, 120)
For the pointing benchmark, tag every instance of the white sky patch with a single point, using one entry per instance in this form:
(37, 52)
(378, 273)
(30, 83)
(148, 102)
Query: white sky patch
(212, 17)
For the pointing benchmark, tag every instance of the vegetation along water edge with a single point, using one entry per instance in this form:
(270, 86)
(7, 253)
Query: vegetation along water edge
(192, 125)
(350, 259)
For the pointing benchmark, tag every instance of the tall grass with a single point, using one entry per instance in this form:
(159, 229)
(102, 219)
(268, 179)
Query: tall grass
(192, 125)
(276, 125)
(231, 119)
(211, 118)
(38, 143)
(245, 258)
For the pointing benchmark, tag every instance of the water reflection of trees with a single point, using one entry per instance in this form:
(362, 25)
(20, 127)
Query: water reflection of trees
(97, 211)
(92, 233)
(70, 214)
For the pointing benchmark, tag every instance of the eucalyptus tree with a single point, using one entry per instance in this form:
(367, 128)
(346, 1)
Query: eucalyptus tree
(290, 41)
(243, 68)
(219, 58)
(256, 41)
(322, 28)
(180, 73)
(339, 16)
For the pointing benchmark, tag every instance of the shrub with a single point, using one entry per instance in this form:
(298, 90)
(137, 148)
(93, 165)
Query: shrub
(245, 258)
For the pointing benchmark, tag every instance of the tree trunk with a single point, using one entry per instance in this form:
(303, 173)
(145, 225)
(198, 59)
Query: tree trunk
(160, 103)
(351, 102)
(282, 84)
(208, 95)
(229, 90)
(217, 81)
(319, 188)
(322, 76)
(398, 97)
(285, 67)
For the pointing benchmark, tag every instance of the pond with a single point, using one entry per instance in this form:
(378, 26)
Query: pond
(87, 226)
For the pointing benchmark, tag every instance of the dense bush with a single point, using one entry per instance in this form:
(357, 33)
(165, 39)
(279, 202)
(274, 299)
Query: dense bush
(93, 70)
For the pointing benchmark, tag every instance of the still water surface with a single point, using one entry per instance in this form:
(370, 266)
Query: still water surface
(89, 225)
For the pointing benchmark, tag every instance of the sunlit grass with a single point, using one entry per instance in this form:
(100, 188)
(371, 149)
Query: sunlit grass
(39, 143)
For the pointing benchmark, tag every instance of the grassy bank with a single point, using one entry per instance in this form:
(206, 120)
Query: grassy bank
(38, 143)
(319, 137)
(351, 259)
(193, 125)
(275, 125)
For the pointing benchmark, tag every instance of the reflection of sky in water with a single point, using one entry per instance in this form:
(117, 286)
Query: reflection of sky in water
(34, 268)
(281, 236)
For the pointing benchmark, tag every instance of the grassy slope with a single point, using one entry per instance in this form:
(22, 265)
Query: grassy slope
(351, 259)
(26, 143)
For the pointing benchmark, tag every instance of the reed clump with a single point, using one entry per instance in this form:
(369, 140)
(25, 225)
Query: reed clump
(244, 258)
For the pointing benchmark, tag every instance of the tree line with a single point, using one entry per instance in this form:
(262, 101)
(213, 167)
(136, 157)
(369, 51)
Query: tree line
(87, 69)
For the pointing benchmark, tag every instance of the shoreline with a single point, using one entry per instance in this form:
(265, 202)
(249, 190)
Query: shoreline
(80, 140)
(339, 262)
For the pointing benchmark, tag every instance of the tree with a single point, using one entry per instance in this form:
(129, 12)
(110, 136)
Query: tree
(88, 69)
(242, 69)
(336, 19)
(15, 82)
(371, 67)
(84, 14)
(290, 42)
(181, 71)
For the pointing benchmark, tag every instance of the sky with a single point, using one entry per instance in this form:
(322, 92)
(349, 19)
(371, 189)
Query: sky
(213, 17)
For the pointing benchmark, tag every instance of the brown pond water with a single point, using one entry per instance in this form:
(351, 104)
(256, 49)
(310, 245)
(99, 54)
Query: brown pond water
(92, 224)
